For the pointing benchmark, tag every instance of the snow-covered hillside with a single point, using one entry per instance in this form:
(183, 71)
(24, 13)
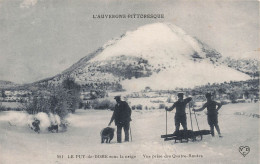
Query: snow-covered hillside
(159, 42)
(248, 66)
(19, 144)
(177, 58)
(158, 55)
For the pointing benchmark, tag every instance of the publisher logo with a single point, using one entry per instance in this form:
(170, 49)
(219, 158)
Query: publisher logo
(244, 150)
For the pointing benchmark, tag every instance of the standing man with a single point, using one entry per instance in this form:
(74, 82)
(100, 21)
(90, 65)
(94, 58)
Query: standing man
(122, 117)
(212, 113)
(180, 115)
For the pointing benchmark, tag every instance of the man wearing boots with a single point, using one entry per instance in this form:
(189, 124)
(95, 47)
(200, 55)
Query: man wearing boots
(212, 113)
(122, 117)
(180, 115)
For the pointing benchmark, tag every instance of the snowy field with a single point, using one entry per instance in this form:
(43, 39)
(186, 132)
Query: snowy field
(81, 143)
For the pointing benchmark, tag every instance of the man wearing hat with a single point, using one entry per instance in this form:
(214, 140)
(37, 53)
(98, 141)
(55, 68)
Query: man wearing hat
(180, 115)
(212, 113)
(122, 117)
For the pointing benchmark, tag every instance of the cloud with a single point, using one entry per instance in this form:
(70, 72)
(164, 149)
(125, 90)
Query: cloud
(28, 3)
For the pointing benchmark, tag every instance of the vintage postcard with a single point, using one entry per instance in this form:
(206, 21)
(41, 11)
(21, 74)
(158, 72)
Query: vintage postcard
(129, 81)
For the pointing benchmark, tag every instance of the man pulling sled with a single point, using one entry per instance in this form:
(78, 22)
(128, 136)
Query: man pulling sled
(180, 118)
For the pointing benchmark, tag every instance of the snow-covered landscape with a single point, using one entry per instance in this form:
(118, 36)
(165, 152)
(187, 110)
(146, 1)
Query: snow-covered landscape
(239, 124)
(65, 65)
(148, 65)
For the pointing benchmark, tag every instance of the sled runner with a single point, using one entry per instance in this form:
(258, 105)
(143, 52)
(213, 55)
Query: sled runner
(185, 135)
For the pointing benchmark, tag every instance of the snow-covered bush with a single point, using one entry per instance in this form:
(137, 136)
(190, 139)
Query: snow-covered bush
(45, 122)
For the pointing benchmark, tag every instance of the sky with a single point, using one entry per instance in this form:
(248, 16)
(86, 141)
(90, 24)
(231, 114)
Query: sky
(41, 38)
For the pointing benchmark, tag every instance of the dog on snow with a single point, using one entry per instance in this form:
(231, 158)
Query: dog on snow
(107, 134)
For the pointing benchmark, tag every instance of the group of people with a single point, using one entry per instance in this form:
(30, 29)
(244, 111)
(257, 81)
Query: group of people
(212, 112)
(122, 115)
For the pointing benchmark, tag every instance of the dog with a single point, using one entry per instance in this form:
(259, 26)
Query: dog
(53, 128)
(107, 134)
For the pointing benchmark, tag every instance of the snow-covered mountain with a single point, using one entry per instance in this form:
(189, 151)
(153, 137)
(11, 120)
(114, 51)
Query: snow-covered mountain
(160, 55)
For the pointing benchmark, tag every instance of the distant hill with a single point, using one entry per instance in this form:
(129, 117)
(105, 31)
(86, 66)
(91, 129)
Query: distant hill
(7, 84)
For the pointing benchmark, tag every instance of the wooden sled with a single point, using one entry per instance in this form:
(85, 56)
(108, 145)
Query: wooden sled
(186, 135)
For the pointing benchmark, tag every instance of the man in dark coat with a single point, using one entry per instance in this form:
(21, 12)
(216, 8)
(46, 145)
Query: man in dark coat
(212, 113)
(180, 115)
(122, 117)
